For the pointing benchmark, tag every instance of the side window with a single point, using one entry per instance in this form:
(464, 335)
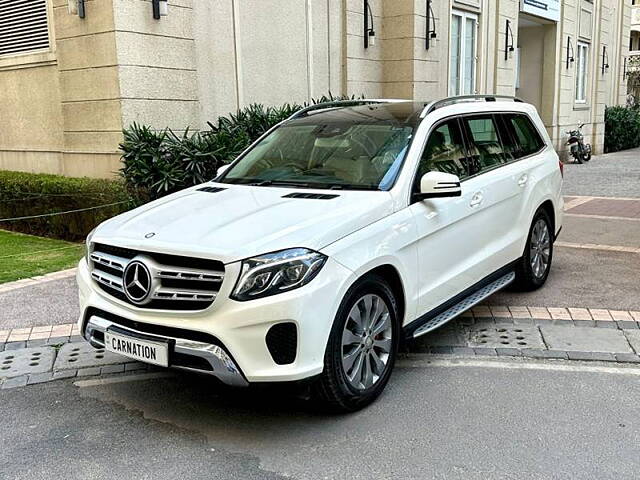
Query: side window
(528, 138)
(444, 152)
(486, 147)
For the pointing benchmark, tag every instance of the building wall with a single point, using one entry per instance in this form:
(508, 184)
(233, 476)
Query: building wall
(62, 106)
(65, 108)
(30, 110)
(266, 51)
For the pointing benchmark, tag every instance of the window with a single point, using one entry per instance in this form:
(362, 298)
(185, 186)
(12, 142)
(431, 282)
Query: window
(582, 70)
(23, 27)
(525, 134)
(486, 149)
(444, 152)
(462, 61)
(331, 151)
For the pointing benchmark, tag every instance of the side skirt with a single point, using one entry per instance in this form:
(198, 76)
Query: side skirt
(461, 302)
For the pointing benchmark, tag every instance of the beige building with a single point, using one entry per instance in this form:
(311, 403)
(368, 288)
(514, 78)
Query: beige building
(68, 84)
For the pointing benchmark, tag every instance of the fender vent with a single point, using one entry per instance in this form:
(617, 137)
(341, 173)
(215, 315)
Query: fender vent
(282, 342)
(211, 189)
(315, 196)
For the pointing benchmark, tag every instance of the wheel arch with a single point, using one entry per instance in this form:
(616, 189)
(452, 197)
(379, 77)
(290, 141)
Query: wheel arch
(389, 273)
(550, 210)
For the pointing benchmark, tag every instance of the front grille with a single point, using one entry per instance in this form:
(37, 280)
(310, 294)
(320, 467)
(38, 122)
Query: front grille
(178, 282)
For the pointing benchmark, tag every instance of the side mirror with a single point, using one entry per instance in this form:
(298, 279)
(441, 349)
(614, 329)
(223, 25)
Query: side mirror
(222, 169)
(439, 185)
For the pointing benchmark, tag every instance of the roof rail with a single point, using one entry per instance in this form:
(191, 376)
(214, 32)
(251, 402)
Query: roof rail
(465, 98)
(342, 103)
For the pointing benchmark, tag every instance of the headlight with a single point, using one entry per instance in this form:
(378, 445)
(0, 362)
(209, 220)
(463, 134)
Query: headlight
(277, 272)
(87, 245)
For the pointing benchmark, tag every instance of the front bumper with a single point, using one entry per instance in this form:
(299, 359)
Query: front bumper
(220, 364)
(229, 335)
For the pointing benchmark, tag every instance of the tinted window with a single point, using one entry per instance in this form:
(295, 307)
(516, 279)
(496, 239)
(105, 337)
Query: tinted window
(326, 154)
(444, 152)
(486, 147)
(525, 134)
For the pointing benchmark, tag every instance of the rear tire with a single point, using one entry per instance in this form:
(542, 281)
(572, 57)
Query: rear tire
(362, 347)
(533, 268)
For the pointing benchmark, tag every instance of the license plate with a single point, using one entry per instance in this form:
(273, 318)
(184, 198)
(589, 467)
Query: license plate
(146, 351)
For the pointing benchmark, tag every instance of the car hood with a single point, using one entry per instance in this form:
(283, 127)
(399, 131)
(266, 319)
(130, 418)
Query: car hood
(243, 221)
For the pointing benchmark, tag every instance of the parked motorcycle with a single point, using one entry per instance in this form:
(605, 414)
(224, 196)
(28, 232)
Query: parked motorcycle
(579, 150)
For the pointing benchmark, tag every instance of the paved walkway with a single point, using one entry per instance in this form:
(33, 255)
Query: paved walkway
(613, 175)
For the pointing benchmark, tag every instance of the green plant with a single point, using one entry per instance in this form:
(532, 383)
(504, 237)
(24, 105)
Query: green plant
(162, 162)
(27, 194)
(622, 128)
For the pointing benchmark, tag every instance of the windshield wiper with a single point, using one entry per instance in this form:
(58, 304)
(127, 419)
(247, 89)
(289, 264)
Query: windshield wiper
(350, 186)
(283, 183)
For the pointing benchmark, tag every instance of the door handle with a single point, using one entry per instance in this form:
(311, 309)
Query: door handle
(522, 181)
(476, 200)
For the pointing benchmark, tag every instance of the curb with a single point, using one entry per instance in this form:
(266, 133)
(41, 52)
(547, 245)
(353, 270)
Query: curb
(581, 316)
(29, 282)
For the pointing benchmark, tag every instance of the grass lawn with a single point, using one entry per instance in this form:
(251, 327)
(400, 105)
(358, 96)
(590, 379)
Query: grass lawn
(24, 256)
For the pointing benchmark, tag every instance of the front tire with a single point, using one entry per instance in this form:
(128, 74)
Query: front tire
(362, 347)
(533, 268)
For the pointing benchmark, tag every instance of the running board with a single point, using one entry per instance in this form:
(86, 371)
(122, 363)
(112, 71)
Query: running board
(465, 304)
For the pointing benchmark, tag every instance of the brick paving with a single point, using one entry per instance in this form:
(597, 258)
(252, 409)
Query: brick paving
(574, 333)
(606, 207)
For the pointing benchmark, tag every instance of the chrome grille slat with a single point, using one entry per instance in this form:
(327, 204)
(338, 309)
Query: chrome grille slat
(108, 280)
(190, 274)
(119, 263)
(174, 286)
(188, 295)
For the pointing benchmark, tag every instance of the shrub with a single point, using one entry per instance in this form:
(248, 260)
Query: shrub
(27, 194)
(622, 128)
(163, 162)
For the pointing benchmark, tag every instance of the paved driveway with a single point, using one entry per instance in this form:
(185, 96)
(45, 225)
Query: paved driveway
(468, 420)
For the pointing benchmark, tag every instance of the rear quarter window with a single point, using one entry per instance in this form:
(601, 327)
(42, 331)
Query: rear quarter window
(524, 133)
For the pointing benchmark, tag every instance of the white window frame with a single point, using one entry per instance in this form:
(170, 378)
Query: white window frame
(582, 73)
(464, 16)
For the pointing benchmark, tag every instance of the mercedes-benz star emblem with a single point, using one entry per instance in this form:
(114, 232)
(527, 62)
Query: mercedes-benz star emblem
(137, 281)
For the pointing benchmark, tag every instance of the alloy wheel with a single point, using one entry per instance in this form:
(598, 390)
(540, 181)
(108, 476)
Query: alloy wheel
(366, 342)
(539, 248)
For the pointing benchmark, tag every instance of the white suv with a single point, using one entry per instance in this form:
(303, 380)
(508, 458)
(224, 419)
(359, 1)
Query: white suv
(344, 230)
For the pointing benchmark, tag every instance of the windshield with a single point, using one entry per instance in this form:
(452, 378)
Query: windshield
(345, 155)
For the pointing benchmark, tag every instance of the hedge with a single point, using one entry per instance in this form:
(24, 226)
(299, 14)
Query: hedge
(622, 128)
(29, 194)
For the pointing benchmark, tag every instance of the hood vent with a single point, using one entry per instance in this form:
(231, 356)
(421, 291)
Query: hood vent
(211, 189)
(314, 196)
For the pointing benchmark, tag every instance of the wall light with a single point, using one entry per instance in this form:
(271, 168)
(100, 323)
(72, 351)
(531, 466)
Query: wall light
(625, 72)
(605, 60)
(369, 32)
(160, 8)
(508, 36)
(431, 32)
(76, 7)
(570, 52)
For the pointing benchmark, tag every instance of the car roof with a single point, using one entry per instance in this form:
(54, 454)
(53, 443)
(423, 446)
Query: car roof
(401, 113)
(406, 112)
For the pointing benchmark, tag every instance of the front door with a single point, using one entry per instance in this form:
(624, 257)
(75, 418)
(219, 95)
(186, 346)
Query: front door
(448, 243)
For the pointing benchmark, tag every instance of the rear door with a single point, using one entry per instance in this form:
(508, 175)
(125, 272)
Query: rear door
(530, 165)
(495, 193)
